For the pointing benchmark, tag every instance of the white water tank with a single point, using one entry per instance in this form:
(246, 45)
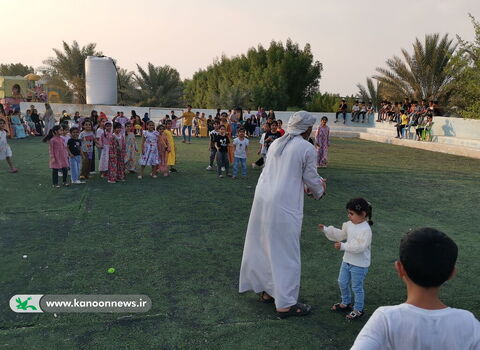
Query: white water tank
(100, 81)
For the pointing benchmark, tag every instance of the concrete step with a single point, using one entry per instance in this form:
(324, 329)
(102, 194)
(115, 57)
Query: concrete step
(457, 150)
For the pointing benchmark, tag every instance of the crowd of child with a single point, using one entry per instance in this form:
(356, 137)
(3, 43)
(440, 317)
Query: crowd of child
(427, 256)
(86, 138)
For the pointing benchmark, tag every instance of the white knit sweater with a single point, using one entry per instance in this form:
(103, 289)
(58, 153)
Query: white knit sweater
(358, 241)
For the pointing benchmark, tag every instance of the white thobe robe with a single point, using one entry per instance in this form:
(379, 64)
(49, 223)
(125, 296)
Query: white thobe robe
(271, 256)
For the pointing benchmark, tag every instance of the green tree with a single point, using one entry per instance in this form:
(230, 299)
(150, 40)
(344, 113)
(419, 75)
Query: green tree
(325, 102)
(277, 77)
(159, 86)
(425, 74)
(66, 71)
(370, 93)
(466, 87)
(14, 69)
(128, 93)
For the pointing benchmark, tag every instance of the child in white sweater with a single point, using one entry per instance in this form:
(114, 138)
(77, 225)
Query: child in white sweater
(356, 258)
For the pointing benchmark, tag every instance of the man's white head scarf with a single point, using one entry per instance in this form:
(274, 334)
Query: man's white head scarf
(298, 123)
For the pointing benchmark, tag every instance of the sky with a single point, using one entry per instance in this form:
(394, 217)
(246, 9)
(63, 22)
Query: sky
(350, 38)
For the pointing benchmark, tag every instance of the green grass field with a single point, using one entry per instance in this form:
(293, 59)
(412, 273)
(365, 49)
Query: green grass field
(179, 240)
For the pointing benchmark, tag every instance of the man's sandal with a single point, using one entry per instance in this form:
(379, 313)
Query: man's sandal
(298, 309)
(264, 300)
(339, 308)
(354, 315)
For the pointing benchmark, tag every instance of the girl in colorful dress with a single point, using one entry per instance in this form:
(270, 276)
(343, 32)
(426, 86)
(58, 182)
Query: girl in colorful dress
(117, 152)
(5, 151)
(131, 147)
(87, 136)
(163, 150)
(58, 155)
(149, 150)
(104, 144)
(171, 156)
(322, 141)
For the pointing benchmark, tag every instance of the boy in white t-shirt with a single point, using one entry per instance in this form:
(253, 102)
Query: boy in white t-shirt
(240, 146)
(427, 260)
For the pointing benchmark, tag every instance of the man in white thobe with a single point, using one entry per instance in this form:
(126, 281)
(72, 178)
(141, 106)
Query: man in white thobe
(271, 256)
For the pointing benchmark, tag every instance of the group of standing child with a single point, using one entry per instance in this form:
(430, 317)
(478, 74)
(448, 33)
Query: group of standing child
(115, 142)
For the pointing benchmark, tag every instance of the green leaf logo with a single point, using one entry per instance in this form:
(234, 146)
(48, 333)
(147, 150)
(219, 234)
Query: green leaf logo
(23, 305)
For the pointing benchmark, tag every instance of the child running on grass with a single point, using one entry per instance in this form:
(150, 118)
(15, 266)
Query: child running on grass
(149, 150)
(356, 258)
(5, 150)
(58, 155)
(427, 260)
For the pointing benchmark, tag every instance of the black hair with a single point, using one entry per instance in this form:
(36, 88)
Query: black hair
(428, 256)
(74, 128)
(50, 134)
(117, 125)
(216, 121)
(160, 126)
(241, 128)
(223, 126)
(359, 205)
(64, 126)
(325, 118)
(274, 122)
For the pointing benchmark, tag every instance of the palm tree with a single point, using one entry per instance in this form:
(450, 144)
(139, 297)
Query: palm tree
(159, 86)
(67, 69)
(127, 90)
(370, 93)
(425, 74)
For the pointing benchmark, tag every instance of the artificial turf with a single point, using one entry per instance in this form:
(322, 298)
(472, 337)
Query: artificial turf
(179, 240)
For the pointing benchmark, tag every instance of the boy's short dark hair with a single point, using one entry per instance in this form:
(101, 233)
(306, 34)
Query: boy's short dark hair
(74, 128)
(241, 128)
(428, 256)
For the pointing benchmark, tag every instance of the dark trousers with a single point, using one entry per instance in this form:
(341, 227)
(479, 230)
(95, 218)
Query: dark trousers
(213, 153)
(399, 130)
(341, 112)
(55, 175)
(222, 161)
(260, 162)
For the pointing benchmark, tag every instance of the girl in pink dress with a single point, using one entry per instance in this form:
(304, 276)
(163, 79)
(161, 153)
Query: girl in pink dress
(322, 141)
(58, 155)
(117, 152)
(163, 150)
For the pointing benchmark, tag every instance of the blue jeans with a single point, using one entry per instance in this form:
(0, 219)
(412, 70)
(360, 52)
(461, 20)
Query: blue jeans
(355, 275)
(243, 163)
(189, 127)
(75, 167)
(234, 129)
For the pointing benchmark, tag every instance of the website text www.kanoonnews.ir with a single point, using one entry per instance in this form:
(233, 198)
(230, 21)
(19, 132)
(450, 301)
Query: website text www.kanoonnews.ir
(39, 303)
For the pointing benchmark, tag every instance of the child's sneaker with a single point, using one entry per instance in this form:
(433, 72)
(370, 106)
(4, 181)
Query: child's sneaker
(220, 176)
(209, 168)
(223, 168)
